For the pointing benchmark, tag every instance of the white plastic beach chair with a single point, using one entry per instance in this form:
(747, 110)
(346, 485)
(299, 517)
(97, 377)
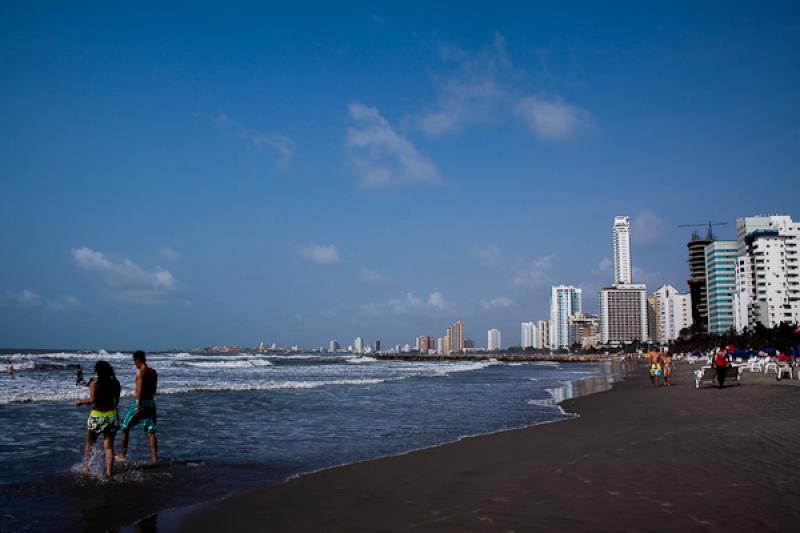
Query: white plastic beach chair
(784, 369)
(771, 365)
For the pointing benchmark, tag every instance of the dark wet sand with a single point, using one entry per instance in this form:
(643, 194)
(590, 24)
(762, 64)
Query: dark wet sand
(639, 458)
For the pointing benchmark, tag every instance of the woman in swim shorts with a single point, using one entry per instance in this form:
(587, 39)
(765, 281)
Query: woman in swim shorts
(667, 368)
(103, 397)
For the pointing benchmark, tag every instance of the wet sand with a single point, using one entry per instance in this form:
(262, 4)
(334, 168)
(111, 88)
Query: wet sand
(639, 458)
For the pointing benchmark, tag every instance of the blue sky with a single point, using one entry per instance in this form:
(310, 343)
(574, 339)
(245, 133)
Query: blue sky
(184, 176)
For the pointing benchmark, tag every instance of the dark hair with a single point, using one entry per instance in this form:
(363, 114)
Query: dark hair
(104, 371)
(107, 389)
(139, 356)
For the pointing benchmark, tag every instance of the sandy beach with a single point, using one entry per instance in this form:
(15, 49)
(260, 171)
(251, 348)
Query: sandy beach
(638, 458)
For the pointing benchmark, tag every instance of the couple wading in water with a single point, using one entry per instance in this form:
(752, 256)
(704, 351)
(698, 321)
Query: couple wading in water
(104, 393)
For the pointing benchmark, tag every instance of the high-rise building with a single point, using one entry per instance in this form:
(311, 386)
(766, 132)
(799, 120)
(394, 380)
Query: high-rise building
(469, 343)
(333, 346)
(697, 278)
(671, 311)
(720, 285)
(426, 343)
(528, 335)
(358, 345)
(623, 306)
(378, 346)
(542, 334)
(653, 312)
(448, 339)
(440, 346)
(494, 342)
(767, 271)
(623, 313)
(565, 300)
(622, 251)
(457, 342)
(584, 329)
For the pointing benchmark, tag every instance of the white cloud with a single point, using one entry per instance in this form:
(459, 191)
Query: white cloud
(437, 300)
(491, 256)
(370, 277)
(552, 120)
(647, 229)
(408, 303)
(126, 280)
(652, 279)
(499, 302)
(170, 254)
(321, 253)
(281, 145)
(28, 298)
(535, 273)
(471, 94)
(381, 155)
(63, 303)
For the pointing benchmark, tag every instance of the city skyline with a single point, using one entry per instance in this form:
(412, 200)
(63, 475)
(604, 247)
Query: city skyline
(258, 174)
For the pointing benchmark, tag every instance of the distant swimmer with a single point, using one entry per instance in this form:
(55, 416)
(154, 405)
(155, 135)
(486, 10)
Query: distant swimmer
(143, 409)
(10, 369)
(104, 398)
(79, 376)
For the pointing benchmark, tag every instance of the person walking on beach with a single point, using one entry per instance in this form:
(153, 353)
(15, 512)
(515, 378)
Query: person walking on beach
(655, 367)
(667, 368)
(721, 365)
(103, 397)
(143, 408)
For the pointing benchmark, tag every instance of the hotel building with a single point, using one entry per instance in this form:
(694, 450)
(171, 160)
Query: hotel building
(720, 259)
(565, 301)
(767, 271)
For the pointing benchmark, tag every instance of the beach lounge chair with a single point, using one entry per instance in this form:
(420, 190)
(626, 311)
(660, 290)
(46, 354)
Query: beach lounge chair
(771, 365)
(784, 369)
(708, 375)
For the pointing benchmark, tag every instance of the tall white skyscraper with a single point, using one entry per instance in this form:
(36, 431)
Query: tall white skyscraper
(565, 300)
(622, 251)
(767, 271)
(358, 345)
(528, 335)
(494, 341)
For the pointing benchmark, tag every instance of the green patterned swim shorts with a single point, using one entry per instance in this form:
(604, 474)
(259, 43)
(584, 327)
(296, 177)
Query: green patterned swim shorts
(147, 416)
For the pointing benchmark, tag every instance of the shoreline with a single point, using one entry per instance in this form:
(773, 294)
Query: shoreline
(170, 518)
(613, 446)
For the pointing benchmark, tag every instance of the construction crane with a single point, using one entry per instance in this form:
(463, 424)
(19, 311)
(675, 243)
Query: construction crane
(710, 235)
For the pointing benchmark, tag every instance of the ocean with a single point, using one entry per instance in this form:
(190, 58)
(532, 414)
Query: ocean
(234, 421)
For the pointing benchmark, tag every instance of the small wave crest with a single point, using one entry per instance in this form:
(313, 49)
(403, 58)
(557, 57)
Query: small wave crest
(245, 363)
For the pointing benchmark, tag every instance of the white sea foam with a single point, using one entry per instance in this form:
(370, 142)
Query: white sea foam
(269, 385)
(246, 363)
(360, 360)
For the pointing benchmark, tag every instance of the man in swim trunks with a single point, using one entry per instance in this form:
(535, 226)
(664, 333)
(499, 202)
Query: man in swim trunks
(143, 409)
(655, 367)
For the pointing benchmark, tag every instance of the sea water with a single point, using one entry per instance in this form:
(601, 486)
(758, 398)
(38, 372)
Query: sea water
(242, 420)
